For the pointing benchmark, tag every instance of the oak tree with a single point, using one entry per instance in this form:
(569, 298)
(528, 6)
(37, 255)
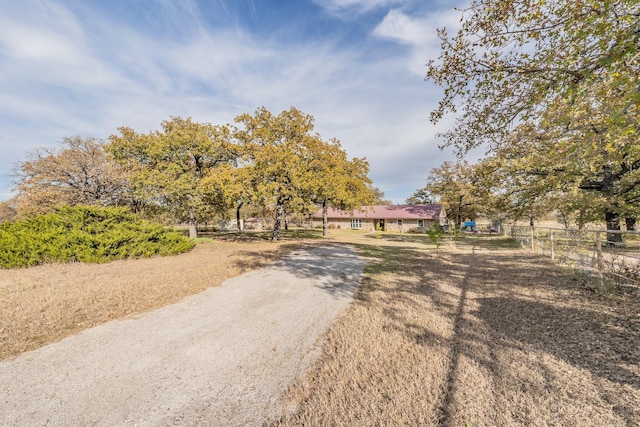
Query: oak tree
(421, 196)
(379, 197)
(556, 80)
(335, 181)
(231, 188)
(275, 148)
(167, 167)
(77, 172)
(455, 186)
(290, 169)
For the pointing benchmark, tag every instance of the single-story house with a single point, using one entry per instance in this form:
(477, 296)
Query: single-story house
(400, 218)
(254, 223)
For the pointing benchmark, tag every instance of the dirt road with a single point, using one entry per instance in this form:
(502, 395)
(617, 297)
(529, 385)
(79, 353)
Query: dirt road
(221, 357)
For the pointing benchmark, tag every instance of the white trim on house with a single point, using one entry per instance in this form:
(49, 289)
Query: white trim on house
(398, 218)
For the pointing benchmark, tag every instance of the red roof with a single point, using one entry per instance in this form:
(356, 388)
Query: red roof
(386, 212)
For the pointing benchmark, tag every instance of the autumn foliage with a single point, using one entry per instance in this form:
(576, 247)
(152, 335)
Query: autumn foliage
(77, 172)
(190, 172)
(550, 88)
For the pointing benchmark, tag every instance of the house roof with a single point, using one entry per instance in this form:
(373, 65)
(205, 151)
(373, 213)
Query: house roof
(385, 212)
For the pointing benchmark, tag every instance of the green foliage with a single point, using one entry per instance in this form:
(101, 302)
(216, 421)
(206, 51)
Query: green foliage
(435, 234)
(167, 168)
(456, 185)
(421, 196)
(378, 231)
(85, 234)
(550, 88)
(288, 167)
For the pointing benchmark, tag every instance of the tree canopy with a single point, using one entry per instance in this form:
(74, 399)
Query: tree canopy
(421, 196)
(187, 171)
(379, 197)
(552, 89)
(289, 167)
(77, 172)
(167, 167)
(455, 185)
(335, 181)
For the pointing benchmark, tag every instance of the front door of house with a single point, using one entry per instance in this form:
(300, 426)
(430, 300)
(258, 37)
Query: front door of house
(380, 224)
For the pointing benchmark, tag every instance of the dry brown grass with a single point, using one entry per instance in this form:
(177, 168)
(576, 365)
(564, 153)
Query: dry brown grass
(480, 334)
(43, 304)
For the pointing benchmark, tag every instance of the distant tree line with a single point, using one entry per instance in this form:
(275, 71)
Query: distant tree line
(189, 172)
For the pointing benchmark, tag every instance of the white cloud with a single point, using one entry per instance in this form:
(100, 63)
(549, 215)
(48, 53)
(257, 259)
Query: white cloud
(29, 44)
(418, 33)
(338, 7)
(405, 29)
(88, 75)
(52, 49)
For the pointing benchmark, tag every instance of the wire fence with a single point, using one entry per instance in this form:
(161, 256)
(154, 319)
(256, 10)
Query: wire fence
(611, 257)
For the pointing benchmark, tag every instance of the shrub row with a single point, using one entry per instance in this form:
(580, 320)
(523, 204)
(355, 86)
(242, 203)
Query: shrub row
(85, 234)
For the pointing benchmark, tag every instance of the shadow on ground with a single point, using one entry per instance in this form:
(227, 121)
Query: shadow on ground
(333, 267)
(510, 299)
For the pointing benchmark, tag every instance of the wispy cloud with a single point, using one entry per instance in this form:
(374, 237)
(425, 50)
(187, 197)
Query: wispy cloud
(356, 6)
(69, 68)
(418, 33)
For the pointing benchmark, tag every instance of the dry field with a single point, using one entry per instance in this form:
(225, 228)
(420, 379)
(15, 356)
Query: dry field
(476, 334)
(43, 304)
(480, 334)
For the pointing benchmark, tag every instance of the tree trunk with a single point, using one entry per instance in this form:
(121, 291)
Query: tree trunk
(193, 227)
(286, 221)
(613, 223)
(531, 221)
(238, 223)
(325, 220)
(630, 223)
(275, 235)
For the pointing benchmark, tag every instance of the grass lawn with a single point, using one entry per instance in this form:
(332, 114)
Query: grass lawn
(473, 333)
(478, 333)
(43, 304)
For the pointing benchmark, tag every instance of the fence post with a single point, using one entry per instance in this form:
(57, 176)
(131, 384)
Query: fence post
(600, 263)
(553, 251)
(533, 243)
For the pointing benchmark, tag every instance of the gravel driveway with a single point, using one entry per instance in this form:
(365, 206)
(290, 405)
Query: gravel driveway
(221, 357)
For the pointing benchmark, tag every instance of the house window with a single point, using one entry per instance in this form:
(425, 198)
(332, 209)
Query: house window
(356, 223)
(399, 223)
(421, 223)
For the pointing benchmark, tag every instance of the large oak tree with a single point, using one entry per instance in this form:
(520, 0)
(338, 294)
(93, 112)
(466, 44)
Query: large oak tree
(77, 172)
(167, 168)
(455, 186)
(552, 88)
(288, 167)
(275, 148)
(335, 181)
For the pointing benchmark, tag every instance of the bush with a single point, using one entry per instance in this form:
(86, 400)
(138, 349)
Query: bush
(435, 234)
(85, 234)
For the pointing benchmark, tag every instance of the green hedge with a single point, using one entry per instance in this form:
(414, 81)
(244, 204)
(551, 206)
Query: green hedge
(85, 234)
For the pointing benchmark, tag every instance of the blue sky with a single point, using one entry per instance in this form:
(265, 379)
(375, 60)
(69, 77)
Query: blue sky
(77, 67)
